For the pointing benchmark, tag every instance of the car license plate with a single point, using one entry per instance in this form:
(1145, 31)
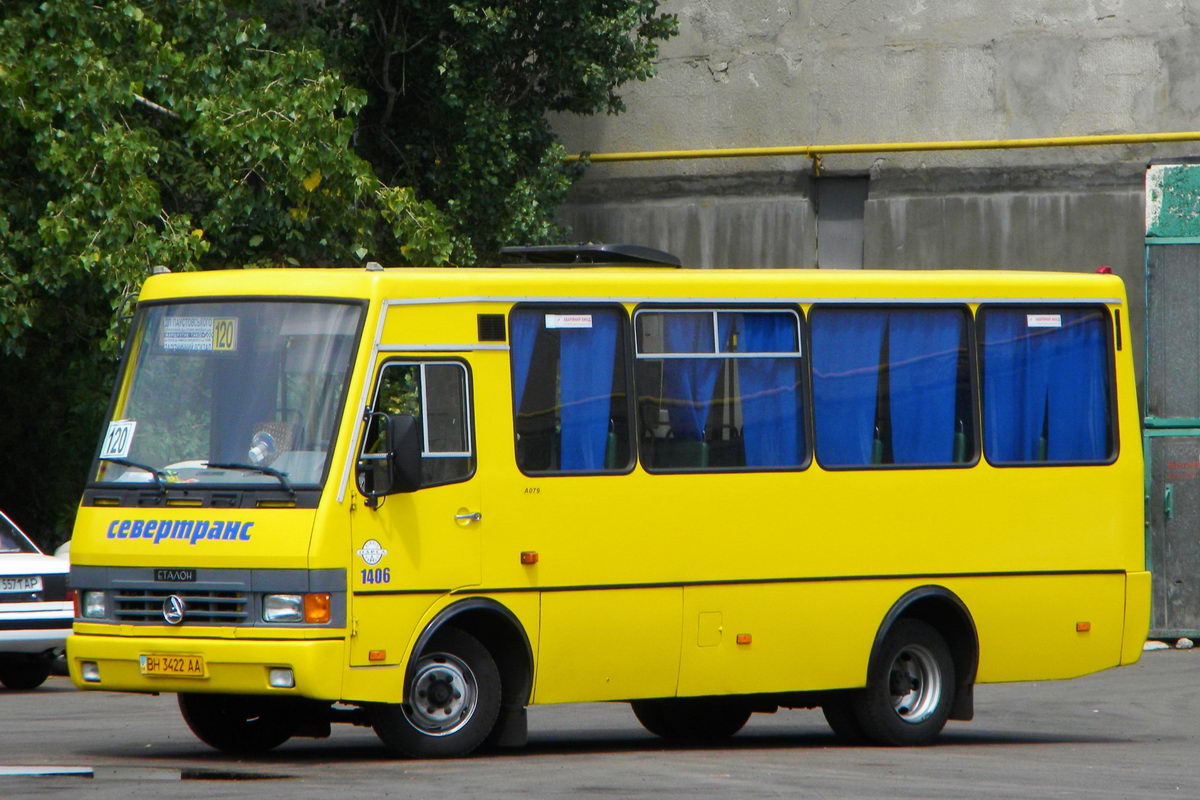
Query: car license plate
(21, 583)
(172, 665)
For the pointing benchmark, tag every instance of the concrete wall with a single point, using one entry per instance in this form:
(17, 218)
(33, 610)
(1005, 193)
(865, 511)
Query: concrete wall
(768, 72)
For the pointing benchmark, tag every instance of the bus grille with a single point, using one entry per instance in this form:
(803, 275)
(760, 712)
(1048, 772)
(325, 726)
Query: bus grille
(136, 605)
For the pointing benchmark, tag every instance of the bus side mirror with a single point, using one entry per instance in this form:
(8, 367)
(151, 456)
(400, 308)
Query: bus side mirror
(394, 464)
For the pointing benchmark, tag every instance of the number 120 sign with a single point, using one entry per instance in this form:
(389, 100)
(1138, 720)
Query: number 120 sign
(118, 438)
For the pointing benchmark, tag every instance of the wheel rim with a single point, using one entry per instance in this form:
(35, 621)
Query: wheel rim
(442, 696)
(915, 683)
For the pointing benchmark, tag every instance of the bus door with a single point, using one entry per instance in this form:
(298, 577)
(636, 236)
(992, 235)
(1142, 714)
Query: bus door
(411, 548)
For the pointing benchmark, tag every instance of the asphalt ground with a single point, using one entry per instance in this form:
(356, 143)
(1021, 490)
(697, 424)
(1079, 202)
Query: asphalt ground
(1132, 732)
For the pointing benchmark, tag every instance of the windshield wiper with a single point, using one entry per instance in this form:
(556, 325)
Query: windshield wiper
(160, 477)
(274, 473)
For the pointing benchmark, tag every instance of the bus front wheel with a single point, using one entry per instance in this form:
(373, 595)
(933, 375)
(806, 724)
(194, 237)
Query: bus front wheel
(910, 691)
(237, 724)
(451, 702)
(691, 719)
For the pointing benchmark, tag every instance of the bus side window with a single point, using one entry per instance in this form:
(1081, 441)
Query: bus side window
(891, 386)
(436, 394)
(1047, 391)
(571, 404)
(720, 389)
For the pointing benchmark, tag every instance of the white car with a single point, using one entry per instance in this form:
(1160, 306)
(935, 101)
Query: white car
(35, 609)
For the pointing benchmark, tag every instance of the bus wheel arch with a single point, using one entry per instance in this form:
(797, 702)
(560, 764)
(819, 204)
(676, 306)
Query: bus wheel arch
(946, 613)
(503, 638)
(921, 672)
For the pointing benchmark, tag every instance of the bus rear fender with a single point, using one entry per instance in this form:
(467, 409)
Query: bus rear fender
(944, 611)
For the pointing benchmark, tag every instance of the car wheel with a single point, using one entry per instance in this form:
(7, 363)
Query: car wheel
(237, 724)
(22, 673)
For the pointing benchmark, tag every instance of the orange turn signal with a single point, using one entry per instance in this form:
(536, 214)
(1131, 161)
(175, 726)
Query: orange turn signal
(316, 608)
(377, 655)
(529, 557)
(743, 638)
(1083, 627)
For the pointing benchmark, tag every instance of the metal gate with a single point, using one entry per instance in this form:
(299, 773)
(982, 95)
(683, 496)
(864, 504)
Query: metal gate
(1172, 400)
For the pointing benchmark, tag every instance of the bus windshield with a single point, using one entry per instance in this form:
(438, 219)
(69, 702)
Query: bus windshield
(230, 392)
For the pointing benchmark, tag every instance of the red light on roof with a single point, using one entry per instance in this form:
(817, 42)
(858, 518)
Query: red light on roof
(1104, 270)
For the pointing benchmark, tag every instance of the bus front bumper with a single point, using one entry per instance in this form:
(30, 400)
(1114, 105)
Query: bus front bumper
(150, 664)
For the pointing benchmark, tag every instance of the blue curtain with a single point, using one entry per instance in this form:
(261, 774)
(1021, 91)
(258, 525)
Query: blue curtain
(688, 383)
(923, 352)
(1045, 389)
(1014, 386)
(586, 366)
(523, 331)
(846, 350)
(1078, 403)
(772, 428)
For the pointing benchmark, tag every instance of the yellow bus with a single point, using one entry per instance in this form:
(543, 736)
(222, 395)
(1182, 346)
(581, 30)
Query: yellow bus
(426, 499)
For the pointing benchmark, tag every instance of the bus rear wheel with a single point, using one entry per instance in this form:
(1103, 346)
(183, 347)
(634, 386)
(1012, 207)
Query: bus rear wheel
(237, 724)
(909, 693)
(839, 713)
(451, 702)
(691, 719)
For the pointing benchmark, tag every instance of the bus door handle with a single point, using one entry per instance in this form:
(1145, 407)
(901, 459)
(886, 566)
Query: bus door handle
(1169, 501)
(466, 518)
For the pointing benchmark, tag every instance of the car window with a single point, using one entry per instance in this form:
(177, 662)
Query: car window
(11, 540)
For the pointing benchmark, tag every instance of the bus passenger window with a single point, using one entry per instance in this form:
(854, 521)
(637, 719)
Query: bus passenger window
(720, 389)
(569, 392)
(1047, 395)
(891, 386)
(435, 393)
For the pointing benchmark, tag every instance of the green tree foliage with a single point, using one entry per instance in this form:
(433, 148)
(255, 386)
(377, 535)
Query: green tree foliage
(203, 134)
(459, 95)
(135, 136)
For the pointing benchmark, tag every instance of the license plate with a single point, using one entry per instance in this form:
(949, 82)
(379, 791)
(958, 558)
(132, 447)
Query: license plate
(21, 583)
(172, 665)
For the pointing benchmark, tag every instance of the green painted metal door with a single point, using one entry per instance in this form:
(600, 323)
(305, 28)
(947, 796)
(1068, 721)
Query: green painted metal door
(1172, 395)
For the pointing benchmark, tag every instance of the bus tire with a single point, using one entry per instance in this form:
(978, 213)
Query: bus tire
(22, 672)
(691, 719)
(451, 703)
(911, 688)
(237, 724)
(839, 713)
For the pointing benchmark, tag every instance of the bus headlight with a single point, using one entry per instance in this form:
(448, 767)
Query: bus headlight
(313, 607)
(283, 608)
(93, 605)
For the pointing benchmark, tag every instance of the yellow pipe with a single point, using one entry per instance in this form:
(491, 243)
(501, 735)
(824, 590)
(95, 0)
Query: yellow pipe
(818, 150)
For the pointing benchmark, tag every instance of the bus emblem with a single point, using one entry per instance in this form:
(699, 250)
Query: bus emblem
(173, 609)
(371, 552)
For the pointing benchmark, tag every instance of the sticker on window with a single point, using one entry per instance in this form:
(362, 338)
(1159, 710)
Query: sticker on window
(1043, 320)
(568, 320)
(199, 334)
(118, 438)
